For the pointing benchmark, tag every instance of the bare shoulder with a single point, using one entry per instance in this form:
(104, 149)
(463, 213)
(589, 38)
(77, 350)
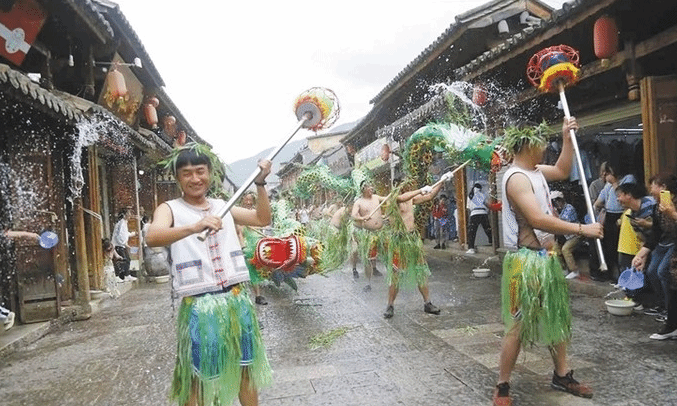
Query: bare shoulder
(163, 215)
(517, 184)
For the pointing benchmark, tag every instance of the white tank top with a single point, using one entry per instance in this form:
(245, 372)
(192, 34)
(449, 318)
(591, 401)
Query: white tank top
(205, 266)
(542, 193)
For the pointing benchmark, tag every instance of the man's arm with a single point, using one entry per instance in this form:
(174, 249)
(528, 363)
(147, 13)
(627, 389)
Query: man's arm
(22, 234)
(562, 168)
(161, 233)
(428, 196)
(262, 216)
(522, 198)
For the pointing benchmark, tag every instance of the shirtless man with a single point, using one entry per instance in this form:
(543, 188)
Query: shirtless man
(362, 211)
(419, 270)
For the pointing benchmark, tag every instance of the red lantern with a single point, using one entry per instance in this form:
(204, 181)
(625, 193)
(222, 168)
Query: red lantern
(479, 95)
(154, 101)
(181, 138)
(169, 125)
(150, 114)
(385, 152)
(605, 37)
(116, 84)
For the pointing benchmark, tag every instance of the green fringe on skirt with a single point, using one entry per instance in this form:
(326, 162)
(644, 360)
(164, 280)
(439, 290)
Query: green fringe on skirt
(405, 250)
(227, 309)
(534, 289)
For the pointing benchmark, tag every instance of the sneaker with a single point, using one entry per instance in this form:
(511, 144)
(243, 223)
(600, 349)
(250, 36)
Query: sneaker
(652, 311)
(355, 274)
(130, 278)
(572, 275)
(502, 395)
(120, 280)
(9, 321)
(638, 308)
(367, 288)
(665, 333)
(471, 251)
(376, 272)
(390, 311)
(567, 383)
(661, 319)
(437, 247)
(431, 308)
(260, 300)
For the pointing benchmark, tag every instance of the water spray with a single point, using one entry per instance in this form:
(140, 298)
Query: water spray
(316, 108)
(551, 70)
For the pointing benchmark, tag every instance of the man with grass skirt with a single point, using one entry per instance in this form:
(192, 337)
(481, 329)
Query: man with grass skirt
(534, 291)
(366, 214)
(405, 261)
(220, 353)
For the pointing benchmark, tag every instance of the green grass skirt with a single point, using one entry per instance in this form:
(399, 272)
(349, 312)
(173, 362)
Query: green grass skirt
(219, 316)
(535, 292)
(404, 260)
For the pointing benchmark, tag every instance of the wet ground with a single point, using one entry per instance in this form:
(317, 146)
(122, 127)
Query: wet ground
(124, 354)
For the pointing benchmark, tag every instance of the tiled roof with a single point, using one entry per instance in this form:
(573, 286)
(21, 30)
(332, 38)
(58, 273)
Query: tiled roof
(567, 10)
(92, 13)
(461, 22)
(413, 120)
(63, 105)
(18, 82)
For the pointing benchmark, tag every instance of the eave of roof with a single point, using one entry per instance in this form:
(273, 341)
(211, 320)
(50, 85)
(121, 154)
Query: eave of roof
(452, 33)
(87, 10)
(113, 9)
(479, 65)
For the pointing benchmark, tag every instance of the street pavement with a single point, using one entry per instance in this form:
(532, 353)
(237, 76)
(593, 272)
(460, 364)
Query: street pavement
(124, 354)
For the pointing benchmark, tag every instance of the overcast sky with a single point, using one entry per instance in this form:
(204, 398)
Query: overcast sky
(235, 68)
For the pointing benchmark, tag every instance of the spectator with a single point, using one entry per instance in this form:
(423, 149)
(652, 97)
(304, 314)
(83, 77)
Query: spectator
(660, 244)
(635, 222)
(440, 215)
(612, 213)
(566, 212)
(479, 215)
(597, 185)
(111, 280)
(120, 238)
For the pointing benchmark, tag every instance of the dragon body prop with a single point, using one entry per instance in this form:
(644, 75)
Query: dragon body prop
(454, 143)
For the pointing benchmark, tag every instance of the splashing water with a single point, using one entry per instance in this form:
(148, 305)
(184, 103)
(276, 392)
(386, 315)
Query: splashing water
(89, 131)
(461, 90)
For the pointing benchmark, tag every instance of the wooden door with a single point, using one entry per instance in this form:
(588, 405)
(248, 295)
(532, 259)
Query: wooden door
(659, 120)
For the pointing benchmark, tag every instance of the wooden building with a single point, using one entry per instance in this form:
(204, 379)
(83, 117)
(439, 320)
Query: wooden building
(75, 149)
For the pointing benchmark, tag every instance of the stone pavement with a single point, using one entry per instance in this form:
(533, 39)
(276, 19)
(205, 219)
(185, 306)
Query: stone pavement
(124, 354)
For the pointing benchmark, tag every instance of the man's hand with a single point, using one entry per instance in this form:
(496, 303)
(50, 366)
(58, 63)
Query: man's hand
(594, 230)
(425, 190)
(213, 223)
(567, 126)
(446, 177)
(265, 166)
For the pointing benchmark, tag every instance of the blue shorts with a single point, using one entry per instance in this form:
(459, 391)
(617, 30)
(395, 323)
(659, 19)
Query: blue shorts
(214, 332)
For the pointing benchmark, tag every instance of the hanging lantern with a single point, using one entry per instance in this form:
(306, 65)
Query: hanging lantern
(169, 125)
(605, 37)
(116, 84)
(479, 95)
(154, 101)
(385, 152)
(181, 138)
(150, 114)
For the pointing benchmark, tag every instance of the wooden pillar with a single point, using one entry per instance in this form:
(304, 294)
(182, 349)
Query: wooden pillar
(461, 192)
(83, 296)
(94, 223)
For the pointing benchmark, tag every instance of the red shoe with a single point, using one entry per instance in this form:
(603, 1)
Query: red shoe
(502, 395)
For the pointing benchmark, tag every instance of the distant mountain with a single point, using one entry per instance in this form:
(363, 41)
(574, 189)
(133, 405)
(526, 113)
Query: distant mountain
(239, 171)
